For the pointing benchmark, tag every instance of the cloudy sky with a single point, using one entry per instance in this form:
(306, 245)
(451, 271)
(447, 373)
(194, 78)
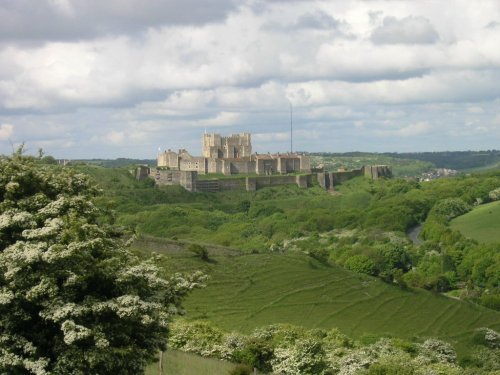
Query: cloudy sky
(121, 78)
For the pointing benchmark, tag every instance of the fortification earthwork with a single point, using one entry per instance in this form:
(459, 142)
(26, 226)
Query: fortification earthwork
(232, 155)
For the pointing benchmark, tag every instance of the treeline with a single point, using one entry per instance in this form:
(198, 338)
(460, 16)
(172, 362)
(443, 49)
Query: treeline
(115, 163)
(287, 349)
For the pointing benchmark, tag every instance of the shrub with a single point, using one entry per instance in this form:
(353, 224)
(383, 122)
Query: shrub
(435, 350)
(241, 369)
(450, 208)
(305, 357)
(360, 264)
(199, 251)
(257, 353)
(198, 337)
(494, 195)
(320, 254)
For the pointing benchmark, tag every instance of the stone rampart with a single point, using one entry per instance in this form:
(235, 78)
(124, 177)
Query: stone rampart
(268, 181)
(207, 186)
(166, 177)
(142, 172)
(232, 184)
(327, 180)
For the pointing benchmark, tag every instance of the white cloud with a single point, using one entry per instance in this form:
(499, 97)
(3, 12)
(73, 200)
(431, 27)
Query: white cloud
(62, 7)
(349, 67)
(269, 137)
(6, 131)
(115, 137)
(412, 130)
(221, 119)
(409, 30)
(475, 110)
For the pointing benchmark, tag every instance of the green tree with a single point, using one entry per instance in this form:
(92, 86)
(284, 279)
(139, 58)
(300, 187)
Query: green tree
(73, 299)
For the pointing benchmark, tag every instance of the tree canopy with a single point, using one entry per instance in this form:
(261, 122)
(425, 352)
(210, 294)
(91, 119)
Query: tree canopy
(73, 298)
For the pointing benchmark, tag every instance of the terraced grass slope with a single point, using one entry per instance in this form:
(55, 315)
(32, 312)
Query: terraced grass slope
(252, 290)
(481, 224)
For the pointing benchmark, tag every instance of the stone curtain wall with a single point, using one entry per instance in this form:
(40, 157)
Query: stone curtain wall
(327, 180)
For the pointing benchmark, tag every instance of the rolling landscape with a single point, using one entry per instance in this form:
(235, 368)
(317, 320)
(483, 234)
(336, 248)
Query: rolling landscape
(305, 281)
(333, 268)
(243, 187)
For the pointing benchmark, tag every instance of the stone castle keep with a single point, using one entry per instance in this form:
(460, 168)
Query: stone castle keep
(233, 155)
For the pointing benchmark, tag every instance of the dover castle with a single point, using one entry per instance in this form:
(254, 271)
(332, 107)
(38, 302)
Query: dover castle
(233, 155)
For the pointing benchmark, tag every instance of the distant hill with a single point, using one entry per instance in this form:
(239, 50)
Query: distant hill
(412, 163)
(481, 223)
(454, 159)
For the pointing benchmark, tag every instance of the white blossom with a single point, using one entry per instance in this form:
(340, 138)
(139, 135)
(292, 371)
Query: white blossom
(74, 332)
(6, 296)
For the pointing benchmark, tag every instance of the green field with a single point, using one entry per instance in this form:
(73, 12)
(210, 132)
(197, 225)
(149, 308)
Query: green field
(481, 224)
(179, 363)
(251, 290)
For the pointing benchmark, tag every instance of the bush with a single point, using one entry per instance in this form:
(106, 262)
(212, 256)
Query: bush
(196, 337)
(494, 195)
(199, 251)
(450, 208)
(256, 353)
(306, 356)
(241, 369)
(491, 301)
(320, 254)
(360, 264)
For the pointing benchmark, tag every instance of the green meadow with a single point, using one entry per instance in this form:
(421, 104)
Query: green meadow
(245, 291)
(179, 363)
(481, 224)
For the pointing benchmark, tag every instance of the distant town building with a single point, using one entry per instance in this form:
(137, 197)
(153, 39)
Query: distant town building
(438, 173)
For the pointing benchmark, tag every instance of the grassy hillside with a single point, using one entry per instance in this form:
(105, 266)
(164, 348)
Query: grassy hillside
(251, 286)
(252, 290)
(481, 224)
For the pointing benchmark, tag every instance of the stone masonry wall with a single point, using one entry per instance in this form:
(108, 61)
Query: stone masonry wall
(327, 180)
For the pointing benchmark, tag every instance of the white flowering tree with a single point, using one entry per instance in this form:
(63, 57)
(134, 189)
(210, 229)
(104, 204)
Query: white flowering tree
(73, 299)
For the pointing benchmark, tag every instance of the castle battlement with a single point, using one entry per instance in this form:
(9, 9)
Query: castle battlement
(233, 155)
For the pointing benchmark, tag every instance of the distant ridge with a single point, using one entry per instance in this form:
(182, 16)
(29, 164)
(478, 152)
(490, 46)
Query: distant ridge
(119, 162)
(441, 159)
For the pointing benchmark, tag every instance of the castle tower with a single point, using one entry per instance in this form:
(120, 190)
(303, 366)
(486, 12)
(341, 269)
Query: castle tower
(212, 146)
(234, 146)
